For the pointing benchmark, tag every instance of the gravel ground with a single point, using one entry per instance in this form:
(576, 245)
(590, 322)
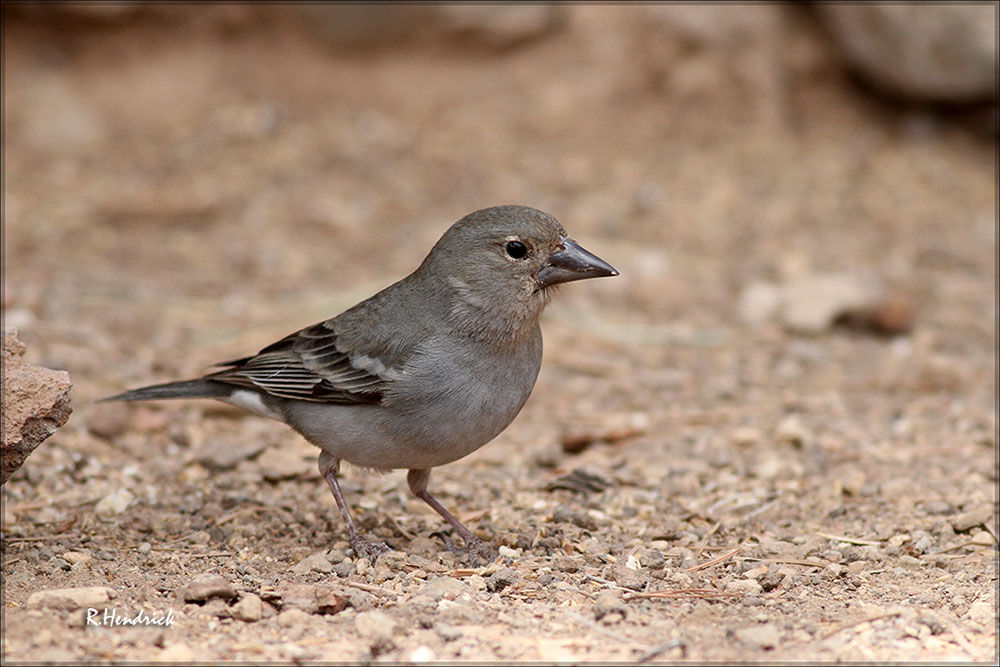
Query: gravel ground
(680, 486)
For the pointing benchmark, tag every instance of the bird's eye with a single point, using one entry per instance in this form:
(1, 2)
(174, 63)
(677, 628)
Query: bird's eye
(516, 250)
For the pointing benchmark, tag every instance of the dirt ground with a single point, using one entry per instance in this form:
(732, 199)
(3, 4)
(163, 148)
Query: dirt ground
(681, 485)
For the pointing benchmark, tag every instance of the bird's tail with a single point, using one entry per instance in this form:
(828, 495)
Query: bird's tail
(188, 389)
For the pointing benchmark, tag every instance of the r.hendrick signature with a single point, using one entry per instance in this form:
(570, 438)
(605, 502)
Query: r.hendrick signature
(113, 618)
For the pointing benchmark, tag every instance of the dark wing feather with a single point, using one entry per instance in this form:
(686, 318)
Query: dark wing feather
(308, 365)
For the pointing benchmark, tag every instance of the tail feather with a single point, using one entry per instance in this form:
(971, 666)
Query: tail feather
(201, 388)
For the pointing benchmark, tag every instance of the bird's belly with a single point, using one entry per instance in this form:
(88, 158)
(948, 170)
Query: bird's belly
(442, 411)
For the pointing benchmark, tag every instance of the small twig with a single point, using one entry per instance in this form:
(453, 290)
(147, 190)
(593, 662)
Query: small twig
(210, 554)
(369, 588)
(714, 561)
(659, 650)
(871, 619)
(25, 506)
(963, 641)
(783, 561)
(707, 536)
(612, 584)
(954, 547)
(475, 515)
(851, 540)
(39, 538)
(760, 510)
(680, 593)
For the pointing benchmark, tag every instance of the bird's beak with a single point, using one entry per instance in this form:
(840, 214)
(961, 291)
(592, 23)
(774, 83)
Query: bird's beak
(572, 262)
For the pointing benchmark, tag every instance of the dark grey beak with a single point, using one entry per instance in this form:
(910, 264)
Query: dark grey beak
(572, 262)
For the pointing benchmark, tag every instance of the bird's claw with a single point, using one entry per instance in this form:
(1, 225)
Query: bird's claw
(370, 550)
(476, 551)
(479, 552)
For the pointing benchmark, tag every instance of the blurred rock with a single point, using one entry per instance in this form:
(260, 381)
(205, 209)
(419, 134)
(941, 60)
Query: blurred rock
(978, 516)
(312, 599)
(488, 26)
(178, 654)
(444, 588)
(708, 51)
(36, 402)
(250, 608)
(227, 455)
(71, 598)
(113, 504)
(792, 431)
(58, 119)
(317, 562)
(937, 52)
(290, 618)
(501, 579)
(609, 607)
(811, 304)
(110, 421)
(376, 626)
(761, 636)
(499, 25)
(206, 586)
(276, 465)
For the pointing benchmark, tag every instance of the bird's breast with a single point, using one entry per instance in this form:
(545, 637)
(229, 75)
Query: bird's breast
(458, 395)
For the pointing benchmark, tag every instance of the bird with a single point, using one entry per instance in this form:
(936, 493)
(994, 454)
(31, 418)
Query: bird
(424, 372)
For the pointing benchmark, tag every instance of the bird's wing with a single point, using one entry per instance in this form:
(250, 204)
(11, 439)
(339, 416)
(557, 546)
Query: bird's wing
(309, 365)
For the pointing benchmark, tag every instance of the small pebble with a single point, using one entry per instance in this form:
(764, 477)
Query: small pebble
(446, 588)
(376, 627)
(422, 654)
(983, 539)
(652, 559)
(744, 587)
(746, 436)
(770, 579)
(833, 570)
(507, 552)
(113, 504)
(979, 516)
(206, 586)
(566, 514)
(316, 562)
(762, 636)
(292, 617)
(609, 607)
(250, 608)
(792, 431)
(71, 598)
(176, 653)
(565, 564)
(501, 579)
(74, 557)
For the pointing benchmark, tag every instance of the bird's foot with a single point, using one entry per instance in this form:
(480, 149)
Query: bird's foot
(479, 552)
(370, 550)
(475, 551)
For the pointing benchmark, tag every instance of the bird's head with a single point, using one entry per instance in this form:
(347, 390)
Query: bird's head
(501, 262)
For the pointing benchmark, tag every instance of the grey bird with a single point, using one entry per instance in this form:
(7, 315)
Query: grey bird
(422, 373)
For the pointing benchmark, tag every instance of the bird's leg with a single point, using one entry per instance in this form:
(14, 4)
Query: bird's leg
(417, 479)
(328, 467)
